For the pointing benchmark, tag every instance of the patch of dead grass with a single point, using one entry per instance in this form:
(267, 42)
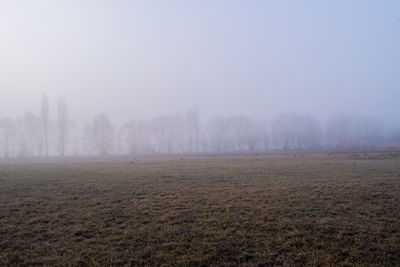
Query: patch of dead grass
(267, 210)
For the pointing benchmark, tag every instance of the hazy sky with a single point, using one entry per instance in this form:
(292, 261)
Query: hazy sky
(138, 59)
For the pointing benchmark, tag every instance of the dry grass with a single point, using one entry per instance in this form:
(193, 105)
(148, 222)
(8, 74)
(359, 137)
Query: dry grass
(267, 210)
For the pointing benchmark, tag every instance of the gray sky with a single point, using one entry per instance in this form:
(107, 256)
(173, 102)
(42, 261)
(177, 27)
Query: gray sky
(138, 59)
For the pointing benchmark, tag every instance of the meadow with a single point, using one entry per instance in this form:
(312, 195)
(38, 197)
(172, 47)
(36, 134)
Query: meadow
(254, 210)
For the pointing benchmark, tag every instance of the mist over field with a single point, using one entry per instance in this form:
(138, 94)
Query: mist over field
(200, 70)
(199, 133)
(139, 60)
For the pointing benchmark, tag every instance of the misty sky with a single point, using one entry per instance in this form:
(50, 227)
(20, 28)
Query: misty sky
(139, 59)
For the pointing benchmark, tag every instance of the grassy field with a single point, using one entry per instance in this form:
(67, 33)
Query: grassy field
(250, 210)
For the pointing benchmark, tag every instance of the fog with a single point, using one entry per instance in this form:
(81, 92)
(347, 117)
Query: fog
(220, 60)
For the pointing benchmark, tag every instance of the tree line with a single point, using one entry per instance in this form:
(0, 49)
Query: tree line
(43, 135)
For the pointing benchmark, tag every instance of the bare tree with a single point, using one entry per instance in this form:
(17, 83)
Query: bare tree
(62, 126)
(87, 139)
(192, 130)
(128, 134)
(247, 133)
(284, 130)
(339, 130)
(7, 130)
(297, 131)
(309, 134)
(31, 131)
(220, 134)
(45, 123)
(265, 135)
(366, 132)
(103, 134)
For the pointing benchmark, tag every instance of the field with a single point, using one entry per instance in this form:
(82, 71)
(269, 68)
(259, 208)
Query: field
(312, 209)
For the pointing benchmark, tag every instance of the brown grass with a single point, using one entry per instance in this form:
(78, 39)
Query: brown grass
(255, 210)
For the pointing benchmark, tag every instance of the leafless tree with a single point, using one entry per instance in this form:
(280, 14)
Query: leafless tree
(103, 134)
(339, 130)
(265, 135)
(7, 130)
(248, 133)
(129, 137)
(31, 131)
(220, 134)
(45, 123)
(192, 130)
(366, 132)
(63, 126)
(284, 130)
(294, 131)
(309, 134)
(87, 139)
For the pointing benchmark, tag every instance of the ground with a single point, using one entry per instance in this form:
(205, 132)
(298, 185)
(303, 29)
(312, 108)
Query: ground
(294, 209)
